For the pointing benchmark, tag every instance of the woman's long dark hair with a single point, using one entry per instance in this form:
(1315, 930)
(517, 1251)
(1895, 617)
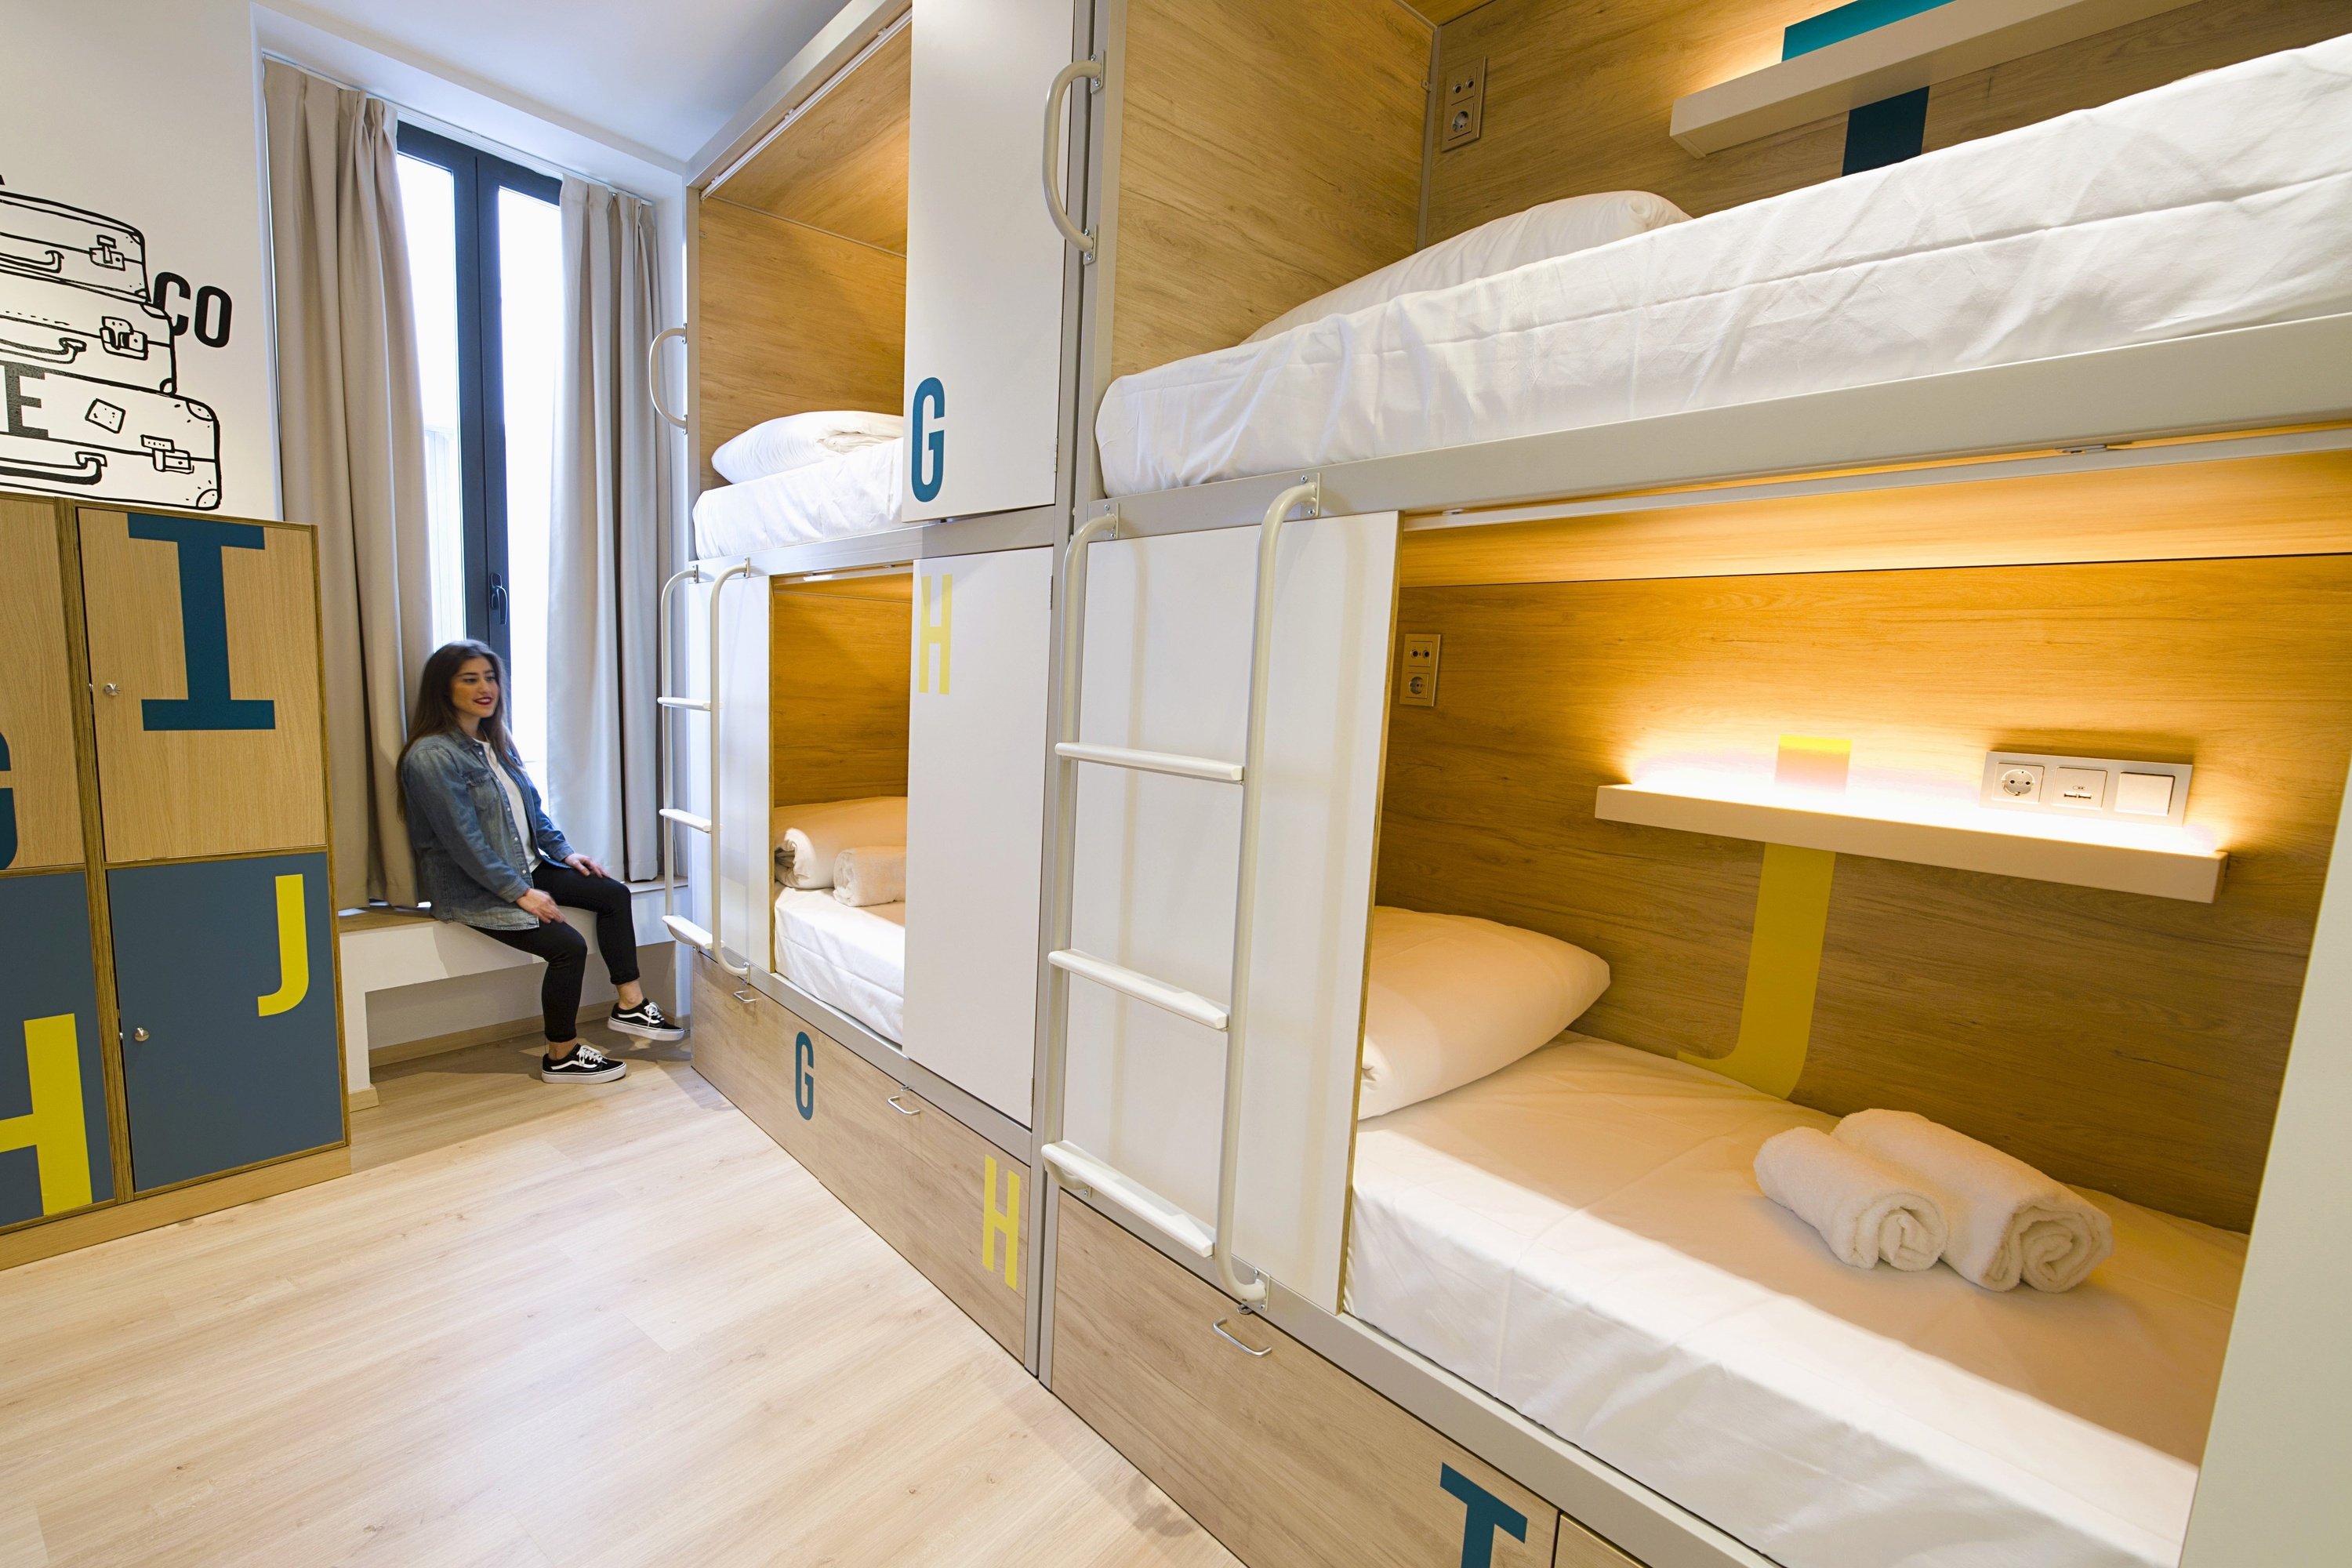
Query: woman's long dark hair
(435, 715)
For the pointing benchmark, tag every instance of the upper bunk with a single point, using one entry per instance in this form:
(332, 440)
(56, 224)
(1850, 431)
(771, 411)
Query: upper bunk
(845, 389)
(2167, 263)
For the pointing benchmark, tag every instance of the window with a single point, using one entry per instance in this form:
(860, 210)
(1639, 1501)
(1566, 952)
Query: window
(485, 253)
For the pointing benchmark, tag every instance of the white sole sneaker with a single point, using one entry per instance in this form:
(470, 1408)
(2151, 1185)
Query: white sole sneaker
(582, 1066)
(645, 1031)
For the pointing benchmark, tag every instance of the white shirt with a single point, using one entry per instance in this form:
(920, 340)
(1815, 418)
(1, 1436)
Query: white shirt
(514, 804)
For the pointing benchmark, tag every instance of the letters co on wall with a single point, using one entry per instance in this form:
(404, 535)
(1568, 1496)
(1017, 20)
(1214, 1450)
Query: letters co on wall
(163, 884)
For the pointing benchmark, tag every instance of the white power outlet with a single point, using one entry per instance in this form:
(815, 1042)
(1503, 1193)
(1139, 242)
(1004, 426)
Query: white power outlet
(2112, 787)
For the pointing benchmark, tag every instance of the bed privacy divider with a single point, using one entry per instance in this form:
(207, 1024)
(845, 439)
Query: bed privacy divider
(2080, 533)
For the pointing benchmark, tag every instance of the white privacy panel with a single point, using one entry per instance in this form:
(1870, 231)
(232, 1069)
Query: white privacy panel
(984, 261)
(1167, 669)
(975, 819)
(747, 929)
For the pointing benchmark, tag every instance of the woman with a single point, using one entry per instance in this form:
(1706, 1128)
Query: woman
(487, 856)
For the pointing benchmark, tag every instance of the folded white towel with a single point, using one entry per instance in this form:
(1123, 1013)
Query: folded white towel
(1869, 1212)
(809, 838)
(870, 874)
(2008, 1221)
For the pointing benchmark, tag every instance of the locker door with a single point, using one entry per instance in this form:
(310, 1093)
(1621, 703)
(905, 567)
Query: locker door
(225, 966)
(40, 788)
(1167, 669)
(984, 264)
(975, 819)
(204, 654)
(53, 1144)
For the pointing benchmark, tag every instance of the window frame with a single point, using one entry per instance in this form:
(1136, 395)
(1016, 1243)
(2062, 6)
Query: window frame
(478, 177)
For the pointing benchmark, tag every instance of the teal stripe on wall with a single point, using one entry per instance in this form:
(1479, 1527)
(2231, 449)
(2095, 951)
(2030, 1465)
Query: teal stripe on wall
(1846, 22)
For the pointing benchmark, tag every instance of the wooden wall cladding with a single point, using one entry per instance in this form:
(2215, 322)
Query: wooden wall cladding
(2128, 1044)
(839, 663)
(1267, 153)
(842, 166)
(790, 320)
(1578, 93)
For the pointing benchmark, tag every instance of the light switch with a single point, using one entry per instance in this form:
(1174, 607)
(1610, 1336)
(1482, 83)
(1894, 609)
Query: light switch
(1417, 676)
(2085, 789)
(2144, 795)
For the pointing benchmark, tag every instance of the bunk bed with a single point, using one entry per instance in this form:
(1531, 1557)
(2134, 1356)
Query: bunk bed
(840, 496)
(2220, 202)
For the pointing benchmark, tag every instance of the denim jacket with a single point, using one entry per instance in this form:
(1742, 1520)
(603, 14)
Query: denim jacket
(469, 862)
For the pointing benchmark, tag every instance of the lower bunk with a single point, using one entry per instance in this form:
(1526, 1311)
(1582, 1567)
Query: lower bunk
(950, 1201)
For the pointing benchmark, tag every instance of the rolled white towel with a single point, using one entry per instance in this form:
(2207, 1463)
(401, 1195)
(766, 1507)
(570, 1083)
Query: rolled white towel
(2010, 1222)
(870, 874)
(1869, 1212)
(809, 838)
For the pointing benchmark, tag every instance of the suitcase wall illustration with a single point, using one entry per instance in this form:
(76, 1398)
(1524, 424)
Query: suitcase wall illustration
(61, 326)
(41, 239)
(89, 377)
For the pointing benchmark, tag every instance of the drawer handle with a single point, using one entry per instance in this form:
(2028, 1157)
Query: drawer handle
(1220, 1326)
(902, 1109)
(744, 997)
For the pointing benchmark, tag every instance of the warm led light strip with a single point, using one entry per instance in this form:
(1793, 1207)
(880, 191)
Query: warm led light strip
(2163, 863)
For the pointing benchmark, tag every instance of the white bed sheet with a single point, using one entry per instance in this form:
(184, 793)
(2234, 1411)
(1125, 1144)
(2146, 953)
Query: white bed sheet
(857, 492)
(1581, 1235)
(2223, 200)
(854, 960)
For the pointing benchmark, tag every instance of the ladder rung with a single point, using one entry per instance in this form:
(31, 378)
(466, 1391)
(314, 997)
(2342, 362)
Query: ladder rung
(1080, 1169)
(691, 704)
(686, 819)
(1152, 761)
(1141, 987)
(686, 931)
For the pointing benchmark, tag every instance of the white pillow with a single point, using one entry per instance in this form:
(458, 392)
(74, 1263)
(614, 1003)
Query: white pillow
(799, 439)
(1454, 998)
(809, 838)
(1554, 228)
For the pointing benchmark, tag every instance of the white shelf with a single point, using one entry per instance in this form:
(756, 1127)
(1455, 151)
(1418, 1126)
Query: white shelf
(2164, 862)
(1951, 41)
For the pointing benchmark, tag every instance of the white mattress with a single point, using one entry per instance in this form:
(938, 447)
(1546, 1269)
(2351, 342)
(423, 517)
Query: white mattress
(857, 492)
(854, 960)
(1581, 1235)
(2221, 201)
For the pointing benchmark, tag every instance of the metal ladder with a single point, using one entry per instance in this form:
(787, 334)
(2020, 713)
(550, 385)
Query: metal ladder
(685, 930)
(1074, 1166)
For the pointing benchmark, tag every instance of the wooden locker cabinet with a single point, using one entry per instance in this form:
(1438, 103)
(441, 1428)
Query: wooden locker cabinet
(164, 884)
(1285, 1459)
(911, 1172)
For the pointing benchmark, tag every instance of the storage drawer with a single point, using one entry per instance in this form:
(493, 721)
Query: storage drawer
(1284, 1458)
(948, 1200)
(964, 1203)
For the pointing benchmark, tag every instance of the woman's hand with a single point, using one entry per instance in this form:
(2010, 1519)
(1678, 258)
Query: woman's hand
(537, 903)
(584, 866)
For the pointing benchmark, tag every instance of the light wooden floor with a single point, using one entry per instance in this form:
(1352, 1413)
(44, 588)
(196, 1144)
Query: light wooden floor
(540, 1327)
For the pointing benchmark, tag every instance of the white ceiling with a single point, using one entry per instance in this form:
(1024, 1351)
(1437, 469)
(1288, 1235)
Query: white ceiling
(663, 74)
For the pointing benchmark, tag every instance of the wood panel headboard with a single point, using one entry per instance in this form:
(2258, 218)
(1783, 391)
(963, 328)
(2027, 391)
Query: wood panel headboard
(2125, 1043)
(1580, 92)
(840, 658)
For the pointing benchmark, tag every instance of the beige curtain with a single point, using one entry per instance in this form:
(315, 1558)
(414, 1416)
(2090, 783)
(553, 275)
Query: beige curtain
(609, 536)
(352, 445)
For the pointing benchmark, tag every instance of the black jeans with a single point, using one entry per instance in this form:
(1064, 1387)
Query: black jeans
(566, 953)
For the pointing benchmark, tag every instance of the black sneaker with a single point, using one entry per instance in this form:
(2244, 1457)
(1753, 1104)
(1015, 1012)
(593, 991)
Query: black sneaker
(586, 1064)
(645, 1019)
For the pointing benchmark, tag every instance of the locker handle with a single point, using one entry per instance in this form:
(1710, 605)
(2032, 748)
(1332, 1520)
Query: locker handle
(902, 1109)
(139, 1034)
(1220, 1327)
(111, 690)
(1082, 239)
(744, 997)
(652, 374)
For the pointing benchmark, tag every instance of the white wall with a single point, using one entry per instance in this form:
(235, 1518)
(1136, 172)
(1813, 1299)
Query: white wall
(146, 111)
